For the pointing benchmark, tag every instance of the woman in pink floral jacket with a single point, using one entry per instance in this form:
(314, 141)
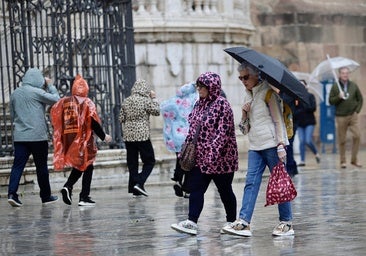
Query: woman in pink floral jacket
(217, 154)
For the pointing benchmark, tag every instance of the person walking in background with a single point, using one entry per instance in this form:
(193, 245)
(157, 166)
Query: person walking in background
(267, 136)
(305, 122)
(346, 112)
(216, 151)
(27, 110)
(135, 118)
(74, 119)
(291, 165)
(175, 113)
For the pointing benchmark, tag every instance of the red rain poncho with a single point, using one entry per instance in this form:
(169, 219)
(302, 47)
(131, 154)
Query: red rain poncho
(73, 138)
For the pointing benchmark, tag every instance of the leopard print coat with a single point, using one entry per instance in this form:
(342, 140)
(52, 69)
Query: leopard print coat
(135, 112)
(217, 151)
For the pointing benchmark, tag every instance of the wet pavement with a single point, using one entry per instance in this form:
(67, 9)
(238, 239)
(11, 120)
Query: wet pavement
(329, 219)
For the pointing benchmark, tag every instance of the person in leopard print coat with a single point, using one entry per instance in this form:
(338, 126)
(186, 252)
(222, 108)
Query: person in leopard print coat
(135, 118)
(217, 153)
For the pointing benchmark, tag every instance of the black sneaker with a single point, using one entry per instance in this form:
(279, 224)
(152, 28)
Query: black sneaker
(14, 201)
(86, 202)
(50, 200)
(317, 158)
(136, 194)
(140, 189)
(178, 190)
(66, 195)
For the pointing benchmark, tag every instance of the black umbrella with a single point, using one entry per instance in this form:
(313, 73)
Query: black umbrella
(271, 70)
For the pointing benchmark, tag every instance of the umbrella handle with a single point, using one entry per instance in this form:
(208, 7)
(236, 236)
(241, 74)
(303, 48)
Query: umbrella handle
(346, 96)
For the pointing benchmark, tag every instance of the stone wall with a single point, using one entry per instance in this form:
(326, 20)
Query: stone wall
(174, 47)
(301, 32)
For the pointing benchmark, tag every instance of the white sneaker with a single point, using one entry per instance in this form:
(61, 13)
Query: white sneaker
(186, 226)
(283, 229)
(226, 225)
(239, 228)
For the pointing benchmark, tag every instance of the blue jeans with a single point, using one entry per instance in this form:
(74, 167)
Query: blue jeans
(257, 162)
(306, 139)
(22, 151)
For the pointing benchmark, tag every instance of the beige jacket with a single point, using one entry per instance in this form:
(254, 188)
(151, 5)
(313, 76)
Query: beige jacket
(135, 113)
(265, 128)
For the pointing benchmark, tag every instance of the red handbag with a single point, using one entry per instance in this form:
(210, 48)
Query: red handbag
(280, 187)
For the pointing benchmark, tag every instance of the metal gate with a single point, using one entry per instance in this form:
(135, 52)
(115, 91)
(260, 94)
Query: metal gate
(64, 38)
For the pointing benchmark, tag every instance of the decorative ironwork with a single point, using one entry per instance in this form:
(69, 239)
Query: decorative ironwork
(64, 38)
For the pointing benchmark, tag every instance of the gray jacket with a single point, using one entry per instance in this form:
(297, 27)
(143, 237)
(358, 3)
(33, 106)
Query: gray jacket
(27, 107)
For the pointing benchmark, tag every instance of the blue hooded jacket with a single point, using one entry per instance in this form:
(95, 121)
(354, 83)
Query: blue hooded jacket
(27, 107)
(175, 111)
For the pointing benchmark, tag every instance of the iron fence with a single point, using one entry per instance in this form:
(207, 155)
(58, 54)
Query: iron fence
(64, 38)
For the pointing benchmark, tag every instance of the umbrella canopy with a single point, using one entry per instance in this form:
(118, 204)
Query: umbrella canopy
(271, 70)
(314, 85)
(324, 70)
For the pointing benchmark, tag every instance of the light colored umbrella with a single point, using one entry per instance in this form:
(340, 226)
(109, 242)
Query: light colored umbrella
(326, 69)
(314, 85)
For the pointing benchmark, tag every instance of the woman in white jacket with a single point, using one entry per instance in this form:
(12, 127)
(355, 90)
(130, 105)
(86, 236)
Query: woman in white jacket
(267, 136)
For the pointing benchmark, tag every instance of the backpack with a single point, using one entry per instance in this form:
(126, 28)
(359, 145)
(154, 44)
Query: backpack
(287, 115)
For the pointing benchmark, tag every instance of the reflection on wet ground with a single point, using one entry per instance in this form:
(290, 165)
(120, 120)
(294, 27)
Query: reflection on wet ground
(329, 219)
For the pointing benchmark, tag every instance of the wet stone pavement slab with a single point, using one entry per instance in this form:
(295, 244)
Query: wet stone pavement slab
(329, 219)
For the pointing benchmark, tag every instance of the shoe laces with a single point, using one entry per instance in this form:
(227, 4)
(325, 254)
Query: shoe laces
(240, 225)
(189, 224)
(284, 226)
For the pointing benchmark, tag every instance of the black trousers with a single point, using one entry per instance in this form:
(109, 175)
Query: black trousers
(136, 149)
(181, 176)
(199, 183)
(22, 151)
(291, 165)
(86, 181)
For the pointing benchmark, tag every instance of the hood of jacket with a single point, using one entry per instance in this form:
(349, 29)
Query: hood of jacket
(80, 87)
(213, 83)
(33, 77)
(141, 87)
(187, 89)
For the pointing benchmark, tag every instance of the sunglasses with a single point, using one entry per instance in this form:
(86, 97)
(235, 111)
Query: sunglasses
(246, 77)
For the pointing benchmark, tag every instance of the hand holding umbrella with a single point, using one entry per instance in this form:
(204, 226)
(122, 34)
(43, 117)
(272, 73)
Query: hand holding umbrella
(341, 93)
(271, 70)
(326, 69)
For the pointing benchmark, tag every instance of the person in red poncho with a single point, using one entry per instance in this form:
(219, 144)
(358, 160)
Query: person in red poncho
(74, 120)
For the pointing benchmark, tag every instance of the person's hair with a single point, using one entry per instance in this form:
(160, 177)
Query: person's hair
(341, 68)
(200, 84)
(251, 69)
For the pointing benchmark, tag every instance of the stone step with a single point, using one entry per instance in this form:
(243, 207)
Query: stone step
(110, 166)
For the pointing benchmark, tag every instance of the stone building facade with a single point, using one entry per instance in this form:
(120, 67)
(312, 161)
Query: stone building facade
(177, 40)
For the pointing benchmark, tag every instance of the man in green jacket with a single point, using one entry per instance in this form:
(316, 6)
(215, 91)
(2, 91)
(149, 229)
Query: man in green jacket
(348, 103)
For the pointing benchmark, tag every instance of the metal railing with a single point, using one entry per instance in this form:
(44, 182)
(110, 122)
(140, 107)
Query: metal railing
(65, 38)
